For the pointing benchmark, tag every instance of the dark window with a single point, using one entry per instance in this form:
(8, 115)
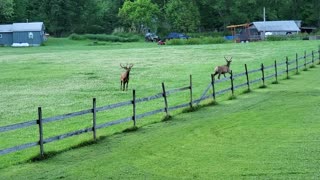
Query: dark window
(0, 35)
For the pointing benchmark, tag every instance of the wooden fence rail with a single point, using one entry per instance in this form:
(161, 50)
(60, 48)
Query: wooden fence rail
(94, 110)
(262, 69)
(164, 94)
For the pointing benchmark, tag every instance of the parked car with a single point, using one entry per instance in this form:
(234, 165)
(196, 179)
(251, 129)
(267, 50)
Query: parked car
(151, 37)
(175, 35)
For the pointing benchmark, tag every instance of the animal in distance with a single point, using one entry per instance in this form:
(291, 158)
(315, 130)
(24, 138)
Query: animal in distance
(223, 69)
(124, 78)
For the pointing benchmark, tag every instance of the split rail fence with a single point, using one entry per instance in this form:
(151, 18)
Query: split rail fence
(276, 70)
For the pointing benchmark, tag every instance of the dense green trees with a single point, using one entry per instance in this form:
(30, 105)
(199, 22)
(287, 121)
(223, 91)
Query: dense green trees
(63, 17)
(182, 15)
(6, 10)
(139, 14)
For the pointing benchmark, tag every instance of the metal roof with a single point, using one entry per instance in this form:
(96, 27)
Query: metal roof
(6, 28)
(32, 26)
(16, 27)
(276, 26)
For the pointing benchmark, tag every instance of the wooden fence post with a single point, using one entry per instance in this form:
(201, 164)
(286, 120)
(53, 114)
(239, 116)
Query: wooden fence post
(297, 65)
(312, 58)
(40, 131)
(305, 60)
(287, 67)
(190, 91)
(319, 54)
(213, 89)
(262, 71)
(232, 87)
(134, 106)
(94, 116)
(165, 99)
(247, 74)
(276, 70)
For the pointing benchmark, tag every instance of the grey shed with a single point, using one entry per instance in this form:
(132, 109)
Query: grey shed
(32, 33)
(255, 30)
(6, 36)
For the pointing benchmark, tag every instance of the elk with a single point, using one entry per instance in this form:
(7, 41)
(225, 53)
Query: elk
(124, 79)
(223, 69)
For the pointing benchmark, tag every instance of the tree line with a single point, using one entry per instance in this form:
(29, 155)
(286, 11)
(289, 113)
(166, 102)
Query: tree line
(63, 17)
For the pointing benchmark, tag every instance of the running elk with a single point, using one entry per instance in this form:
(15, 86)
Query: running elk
(125, 76)
(223, 69)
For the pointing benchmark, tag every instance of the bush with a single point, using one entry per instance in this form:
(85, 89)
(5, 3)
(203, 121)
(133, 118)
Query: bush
(206, 34)
(74, 36)
(193, 41)
(216, 40)
(276, 38)
(106, 37)
(176, 42)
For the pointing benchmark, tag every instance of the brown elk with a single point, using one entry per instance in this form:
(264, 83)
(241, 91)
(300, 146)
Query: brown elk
(223, 69)
(125, 76)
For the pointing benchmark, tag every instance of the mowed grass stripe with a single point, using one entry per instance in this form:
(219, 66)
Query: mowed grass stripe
(272, 133)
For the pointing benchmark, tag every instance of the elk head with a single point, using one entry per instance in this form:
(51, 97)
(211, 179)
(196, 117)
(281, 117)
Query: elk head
(229, 60)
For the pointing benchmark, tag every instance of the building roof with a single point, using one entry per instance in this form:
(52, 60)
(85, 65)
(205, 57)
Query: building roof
(276, 26)
(32, 26)
(6, 28)
(18, 27)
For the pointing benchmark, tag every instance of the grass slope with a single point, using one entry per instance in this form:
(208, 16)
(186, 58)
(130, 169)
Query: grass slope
(272, 133)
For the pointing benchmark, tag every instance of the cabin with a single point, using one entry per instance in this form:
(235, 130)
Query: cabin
(258, 30)
(22, 34)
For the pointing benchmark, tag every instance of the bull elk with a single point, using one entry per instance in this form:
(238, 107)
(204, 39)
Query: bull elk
(223, 69)
(125, 76)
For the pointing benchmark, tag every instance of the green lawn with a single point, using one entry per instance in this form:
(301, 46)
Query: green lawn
(271, 133)
(64, 76)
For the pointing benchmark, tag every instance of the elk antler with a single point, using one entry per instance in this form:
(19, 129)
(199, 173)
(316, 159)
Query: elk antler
(122, 66)
(227, 58)
(131, 65)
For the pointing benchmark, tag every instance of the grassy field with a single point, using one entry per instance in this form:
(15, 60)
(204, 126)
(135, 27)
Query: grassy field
(271, 133)
(64, 76)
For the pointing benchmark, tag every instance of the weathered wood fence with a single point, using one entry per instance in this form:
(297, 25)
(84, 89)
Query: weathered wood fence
(287, 66)
(40, 122)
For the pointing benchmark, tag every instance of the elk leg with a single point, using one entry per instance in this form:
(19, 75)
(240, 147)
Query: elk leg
(120, 85)
(219, 76)
(127, 85)
(224, 75)
(215, 74)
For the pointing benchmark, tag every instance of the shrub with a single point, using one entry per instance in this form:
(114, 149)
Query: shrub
(130, 36)
(192, 41)
(216, 40)
(106, 37)
(206, 34)
(176, 42)
(276, 38)
(75, 36)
